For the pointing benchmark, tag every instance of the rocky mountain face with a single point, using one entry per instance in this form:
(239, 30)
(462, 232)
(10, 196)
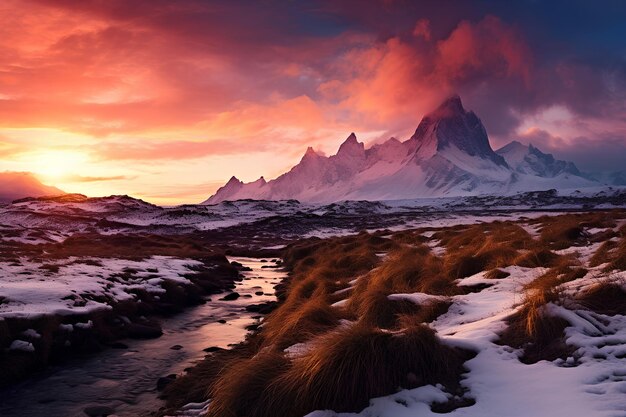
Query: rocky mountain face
(530, 160)
(448, 155)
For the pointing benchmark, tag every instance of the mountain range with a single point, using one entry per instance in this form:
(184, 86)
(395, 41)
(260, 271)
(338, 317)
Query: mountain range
(16, 185)
(448, 155)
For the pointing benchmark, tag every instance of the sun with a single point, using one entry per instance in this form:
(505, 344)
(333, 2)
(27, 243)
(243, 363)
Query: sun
(58, 165)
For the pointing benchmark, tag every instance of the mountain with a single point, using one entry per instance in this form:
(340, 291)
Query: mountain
(610, 177)
(448, 155)
(527, 159)
(16, 185)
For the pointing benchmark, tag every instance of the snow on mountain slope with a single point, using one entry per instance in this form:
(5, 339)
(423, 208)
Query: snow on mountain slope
(530, 160)
(451, 126)
(448, 155)
(537, 170)
(610, 177)
(15, 185)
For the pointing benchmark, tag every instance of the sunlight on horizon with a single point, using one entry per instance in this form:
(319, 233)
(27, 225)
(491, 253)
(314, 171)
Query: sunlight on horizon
(56, 166)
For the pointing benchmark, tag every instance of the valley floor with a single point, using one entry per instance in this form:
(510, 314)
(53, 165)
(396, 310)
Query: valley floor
(539, 304)
(468, 307)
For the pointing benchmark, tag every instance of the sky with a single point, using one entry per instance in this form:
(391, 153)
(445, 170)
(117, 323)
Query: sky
(166, 100)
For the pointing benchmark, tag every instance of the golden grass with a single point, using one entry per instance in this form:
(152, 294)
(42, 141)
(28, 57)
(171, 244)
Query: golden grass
(319, 270)
(387, 346)
(497, 274)
(242, 388)
(348, 367)
(482, 247)
(538, 333)
(563, 269)
(605, 298)
(537, 258)
(377, 310)
(295, 322)
(604, 254)
(563, 231)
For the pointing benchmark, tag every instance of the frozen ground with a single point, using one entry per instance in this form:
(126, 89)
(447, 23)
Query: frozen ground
(32, 286)
(30, 289)
(125, 380)
(36, 221)
(591, 382)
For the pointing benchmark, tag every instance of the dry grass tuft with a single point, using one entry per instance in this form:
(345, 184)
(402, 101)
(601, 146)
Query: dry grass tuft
(605, 254)
(242, 390)
(481, 247)
(539, 334)
(347, 367)
(605, 298)
(319, 269)
(565, 269)
(406, 270)
(619, 257)
(560, 232)
(538, 258)
(377, 310)
(198, 382)
(409, 269)
(295, 322)
(497, 274)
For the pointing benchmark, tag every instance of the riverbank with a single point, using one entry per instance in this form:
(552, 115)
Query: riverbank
(54, 309)
(124, 380)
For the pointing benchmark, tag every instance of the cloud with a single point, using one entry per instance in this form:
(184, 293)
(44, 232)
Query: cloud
(156, 80)
(166, 150)
(594, 154)
(488, 48)
(390, 84)
(82, 178)
(422, 29)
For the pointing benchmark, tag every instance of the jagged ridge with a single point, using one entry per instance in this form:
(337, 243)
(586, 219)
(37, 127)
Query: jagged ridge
(448, 155)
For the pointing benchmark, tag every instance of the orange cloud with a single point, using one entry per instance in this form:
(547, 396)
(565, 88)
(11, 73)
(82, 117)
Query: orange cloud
(486, 47)
(202, 82)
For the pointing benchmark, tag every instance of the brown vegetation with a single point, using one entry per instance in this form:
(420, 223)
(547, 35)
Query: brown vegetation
(605, 298)
(538, 333)
(560, 232)
(497, 274)
(342, 371)
(385, 343)
(296, 322)
(482, 247)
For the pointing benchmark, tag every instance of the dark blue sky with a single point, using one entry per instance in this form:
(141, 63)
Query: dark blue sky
(214, 83)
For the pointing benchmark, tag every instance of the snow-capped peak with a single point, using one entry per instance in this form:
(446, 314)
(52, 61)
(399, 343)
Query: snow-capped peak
(234, 181)
(351, 147)
(451, 126)
(310, 154)
(448, 155)
(260, 181)
(527, 159)
(450, 106)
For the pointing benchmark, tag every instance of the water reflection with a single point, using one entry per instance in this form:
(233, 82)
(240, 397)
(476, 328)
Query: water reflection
(125, 380)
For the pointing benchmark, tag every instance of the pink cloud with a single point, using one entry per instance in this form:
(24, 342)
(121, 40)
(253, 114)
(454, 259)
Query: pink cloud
(221, 78)
(488, 47)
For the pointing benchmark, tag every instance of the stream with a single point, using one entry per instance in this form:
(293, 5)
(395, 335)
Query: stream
(124, 380)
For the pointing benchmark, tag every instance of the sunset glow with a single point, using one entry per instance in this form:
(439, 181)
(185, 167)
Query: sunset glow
(56, 165)
(236, 208)
(166, 100)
